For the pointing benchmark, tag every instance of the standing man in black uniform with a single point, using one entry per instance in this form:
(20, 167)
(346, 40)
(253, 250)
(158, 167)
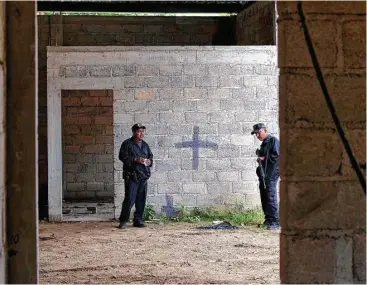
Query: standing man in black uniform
(137, 158)
(268, 173)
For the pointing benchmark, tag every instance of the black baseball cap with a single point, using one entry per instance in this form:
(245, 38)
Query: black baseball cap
(256, 128)
(137, 127)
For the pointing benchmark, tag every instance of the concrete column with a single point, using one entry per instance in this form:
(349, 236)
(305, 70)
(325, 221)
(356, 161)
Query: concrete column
(323, 207)
(21, 149)
(2, 144)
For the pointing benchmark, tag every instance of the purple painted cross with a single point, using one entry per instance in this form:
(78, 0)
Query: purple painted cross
(195, 144)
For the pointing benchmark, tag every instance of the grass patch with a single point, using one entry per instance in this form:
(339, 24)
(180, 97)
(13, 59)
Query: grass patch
(235, 215)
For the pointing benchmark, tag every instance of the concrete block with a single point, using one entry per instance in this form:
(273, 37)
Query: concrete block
(309, 205)
(320, 262)
(232, 105)
(240, 69)
(268, 116)
(169, 188)
(118, 177)
(252, 201)
(293, 48)
(183, 105)
(359, 258)
(145, 118)
(172, 117)
(195, 69)
(256, 55)
(206, 81)
(136, 82)
(100, 71)
(248, 175)
(218, 164)
(255, 80)
(179, 153)
(204, 176)
(229, 151)
(170, 93)
(217, 117)
(182, 81)
(266, 69)
(247, 188)
(230, 176)
(75, 187)
(189, 164)
(241, 139)
(194, 188)
(196, 93)
(306, 147)
(246, 93)
(136, 106)
(168, 141)
(95, 186)
(146, 94)
(123, 70)
(250, 116)
(219, 69)
(272, 81)
(75, 71)
(147, 70)
(231, 81)
(243, 163)
(219, 93)
(267, 92)
(220, 188)
(70, 177)
(180, 176)
(354, 44)
(195, 117)
(159, 177)
(157, 106)
(123, 94)
(229, 128)
(218, 139)
(170, 69)
(167, 165)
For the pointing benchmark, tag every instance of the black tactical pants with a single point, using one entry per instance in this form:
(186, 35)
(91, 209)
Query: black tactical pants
(135, 193)
(269, 200)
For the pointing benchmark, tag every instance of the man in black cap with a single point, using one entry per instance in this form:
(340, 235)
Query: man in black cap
(268, 173)
(137, 158)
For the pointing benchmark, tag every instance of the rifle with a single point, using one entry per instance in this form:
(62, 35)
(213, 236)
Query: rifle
(261, 169)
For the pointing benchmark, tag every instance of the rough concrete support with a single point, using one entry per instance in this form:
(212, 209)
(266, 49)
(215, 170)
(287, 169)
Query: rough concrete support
(323, 208)
(2, 144)
(21, 150)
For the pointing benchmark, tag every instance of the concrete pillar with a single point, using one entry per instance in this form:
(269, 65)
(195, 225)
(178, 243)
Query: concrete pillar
(323, 207)
(21, 149)
(2, 144)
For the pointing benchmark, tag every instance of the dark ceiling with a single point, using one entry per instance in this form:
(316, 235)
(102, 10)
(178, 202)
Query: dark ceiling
(145, 6)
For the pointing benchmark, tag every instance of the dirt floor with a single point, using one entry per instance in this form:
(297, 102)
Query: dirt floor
(99, 252)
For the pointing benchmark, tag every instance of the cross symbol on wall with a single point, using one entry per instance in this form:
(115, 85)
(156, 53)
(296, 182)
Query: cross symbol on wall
(195, 144)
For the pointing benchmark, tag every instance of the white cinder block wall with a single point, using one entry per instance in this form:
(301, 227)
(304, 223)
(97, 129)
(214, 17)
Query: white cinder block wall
(198, 104)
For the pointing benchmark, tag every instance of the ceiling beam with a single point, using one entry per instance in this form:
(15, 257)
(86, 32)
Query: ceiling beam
(145, 6)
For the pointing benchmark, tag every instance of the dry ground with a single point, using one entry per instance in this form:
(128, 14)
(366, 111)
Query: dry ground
(98, 252)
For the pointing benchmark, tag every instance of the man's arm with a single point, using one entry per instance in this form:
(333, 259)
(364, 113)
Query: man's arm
(126, 156)
(274, 150)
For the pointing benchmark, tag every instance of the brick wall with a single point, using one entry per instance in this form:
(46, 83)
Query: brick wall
(210, 95)
(117, 31)
(87, 122)
(323, 209)
(256, 24)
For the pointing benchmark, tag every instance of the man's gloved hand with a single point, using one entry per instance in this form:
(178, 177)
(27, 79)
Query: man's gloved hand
(257, 152)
